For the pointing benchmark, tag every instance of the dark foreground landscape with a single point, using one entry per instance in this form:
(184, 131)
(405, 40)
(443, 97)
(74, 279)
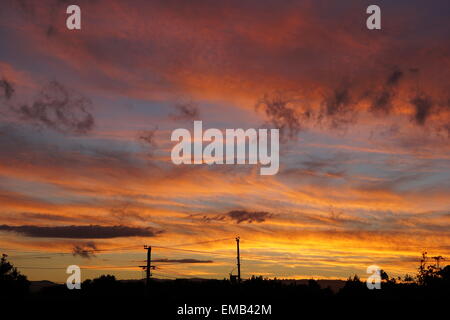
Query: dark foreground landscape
(255, 298)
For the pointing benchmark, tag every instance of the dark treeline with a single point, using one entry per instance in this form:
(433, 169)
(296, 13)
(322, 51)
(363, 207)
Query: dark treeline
(431, 285)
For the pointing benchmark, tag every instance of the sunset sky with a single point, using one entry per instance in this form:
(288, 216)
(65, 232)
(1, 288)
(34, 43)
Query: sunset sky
(86, 118)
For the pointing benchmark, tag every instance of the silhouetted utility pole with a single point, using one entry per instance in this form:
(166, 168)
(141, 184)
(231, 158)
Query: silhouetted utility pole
(238, 260)
(149, 259)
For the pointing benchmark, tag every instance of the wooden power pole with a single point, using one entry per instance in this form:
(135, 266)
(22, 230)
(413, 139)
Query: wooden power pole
(148, 266)
(238, 260)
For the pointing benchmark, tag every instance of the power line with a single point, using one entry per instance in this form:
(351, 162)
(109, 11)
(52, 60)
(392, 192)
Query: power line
(50, 268)
(247, 257)
(33, 252)
(195, 251)
(124, 248)
(200, 242)
(176, 273)
(82, 267)
(117, 249)
(29, 257)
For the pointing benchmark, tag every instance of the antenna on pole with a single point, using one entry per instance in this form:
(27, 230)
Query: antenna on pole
(148, 266)
(238, 259)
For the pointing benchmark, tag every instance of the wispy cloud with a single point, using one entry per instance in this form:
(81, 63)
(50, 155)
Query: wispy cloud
(85, 250)
(60, 109)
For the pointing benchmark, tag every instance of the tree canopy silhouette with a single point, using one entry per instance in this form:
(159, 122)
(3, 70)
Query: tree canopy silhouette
(12, 282)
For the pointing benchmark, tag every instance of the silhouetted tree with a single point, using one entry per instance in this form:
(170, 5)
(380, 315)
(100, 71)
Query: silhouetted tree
(353, 286)
(408, 278)
(12, 283)
(428, 274)
(384, 275)
(445, 275)
(103, 285)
